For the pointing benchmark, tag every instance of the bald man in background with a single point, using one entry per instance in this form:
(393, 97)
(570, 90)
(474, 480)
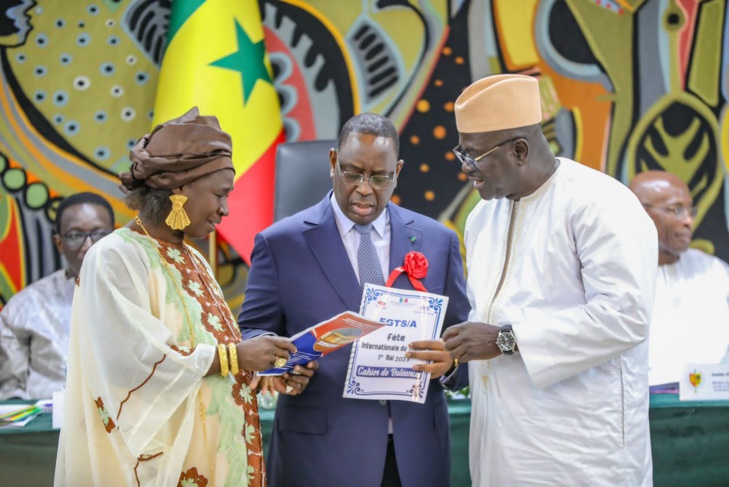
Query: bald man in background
(691, 314)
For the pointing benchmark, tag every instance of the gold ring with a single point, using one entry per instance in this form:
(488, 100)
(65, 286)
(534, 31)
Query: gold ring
(279, 362)
(455, 362)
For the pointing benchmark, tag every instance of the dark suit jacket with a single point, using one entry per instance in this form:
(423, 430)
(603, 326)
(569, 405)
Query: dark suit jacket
(300, 275)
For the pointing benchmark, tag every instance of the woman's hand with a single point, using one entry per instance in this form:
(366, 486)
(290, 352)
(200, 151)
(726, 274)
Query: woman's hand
(291, 383)
(260, 353)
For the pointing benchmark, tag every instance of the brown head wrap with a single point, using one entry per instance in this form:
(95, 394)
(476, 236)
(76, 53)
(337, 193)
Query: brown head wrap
(179, 152)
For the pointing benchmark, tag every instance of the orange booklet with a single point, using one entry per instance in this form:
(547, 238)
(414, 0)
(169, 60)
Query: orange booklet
(326, 337)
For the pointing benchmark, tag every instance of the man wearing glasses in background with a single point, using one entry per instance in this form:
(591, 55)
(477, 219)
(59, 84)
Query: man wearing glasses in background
(691, 314)
(310, 267)
(561, 270)
(35, 323)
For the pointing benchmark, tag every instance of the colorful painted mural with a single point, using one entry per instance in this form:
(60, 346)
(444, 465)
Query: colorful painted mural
(628, 85)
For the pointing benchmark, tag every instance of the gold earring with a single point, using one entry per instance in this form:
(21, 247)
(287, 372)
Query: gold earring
(178, 219)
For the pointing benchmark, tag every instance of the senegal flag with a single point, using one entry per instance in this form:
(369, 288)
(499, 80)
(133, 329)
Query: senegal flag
(216, 60)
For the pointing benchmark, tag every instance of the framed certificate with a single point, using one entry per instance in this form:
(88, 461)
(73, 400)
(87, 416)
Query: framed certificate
(378, 367)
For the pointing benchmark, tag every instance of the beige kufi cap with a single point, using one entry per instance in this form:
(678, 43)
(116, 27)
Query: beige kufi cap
(499, 102)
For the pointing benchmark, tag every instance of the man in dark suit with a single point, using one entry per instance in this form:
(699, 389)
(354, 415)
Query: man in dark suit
(306, 269)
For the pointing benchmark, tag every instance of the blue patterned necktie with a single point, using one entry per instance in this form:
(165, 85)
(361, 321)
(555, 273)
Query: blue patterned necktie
(367, 260)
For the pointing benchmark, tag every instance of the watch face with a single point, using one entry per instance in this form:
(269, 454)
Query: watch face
(505, 341)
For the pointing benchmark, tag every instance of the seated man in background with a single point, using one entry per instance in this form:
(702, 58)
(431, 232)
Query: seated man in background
(691, 314)
(35, 324)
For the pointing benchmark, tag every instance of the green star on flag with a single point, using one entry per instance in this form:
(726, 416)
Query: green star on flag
(248, 60)
(204, 36)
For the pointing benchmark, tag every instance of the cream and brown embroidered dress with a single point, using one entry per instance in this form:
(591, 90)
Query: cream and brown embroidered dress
(139, 409)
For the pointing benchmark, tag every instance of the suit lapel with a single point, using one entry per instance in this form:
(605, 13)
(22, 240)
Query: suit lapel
(403, 238)
(326, 245)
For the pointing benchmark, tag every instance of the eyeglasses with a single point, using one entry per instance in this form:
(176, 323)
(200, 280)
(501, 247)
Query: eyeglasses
(678, 212)
(377, 181)
(466, 159)
(75, 240)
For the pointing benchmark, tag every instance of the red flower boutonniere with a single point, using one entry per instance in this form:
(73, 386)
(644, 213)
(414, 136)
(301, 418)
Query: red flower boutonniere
(415, 267)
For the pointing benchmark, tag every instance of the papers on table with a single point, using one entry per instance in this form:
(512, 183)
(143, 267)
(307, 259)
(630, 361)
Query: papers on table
(378, 367)
(704, 382)
(326, 337)
(18, 415)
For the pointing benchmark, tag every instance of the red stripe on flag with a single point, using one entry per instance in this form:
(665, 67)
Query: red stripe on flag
(10, 248)
(250, 205)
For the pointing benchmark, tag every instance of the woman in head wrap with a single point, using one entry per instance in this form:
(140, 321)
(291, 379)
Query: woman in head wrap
(158, 378)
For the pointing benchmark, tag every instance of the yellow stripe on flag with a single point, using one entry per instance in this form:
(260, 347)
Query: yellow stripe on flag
(216, 60)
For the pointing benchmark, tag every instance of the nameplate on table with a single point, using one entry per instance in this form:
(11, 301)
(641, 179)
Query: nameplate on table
(58, 406)
(704, 382)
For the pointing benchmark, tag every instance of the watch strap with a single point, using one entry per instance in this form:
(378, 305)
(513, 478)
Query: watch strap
(508, 329)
